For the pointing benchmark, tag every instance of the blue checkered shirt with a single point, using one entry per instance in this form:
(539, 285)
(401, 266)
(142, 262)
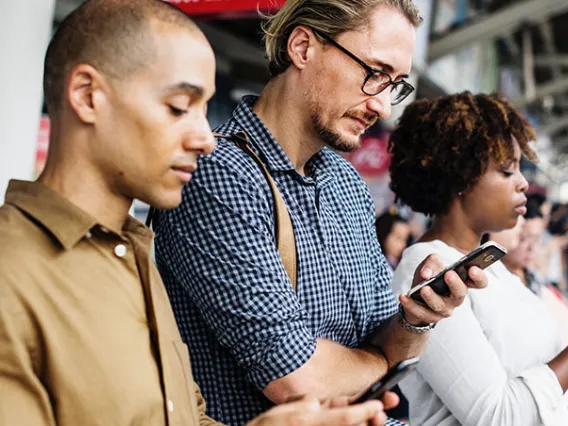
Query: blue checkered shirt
(234, 303)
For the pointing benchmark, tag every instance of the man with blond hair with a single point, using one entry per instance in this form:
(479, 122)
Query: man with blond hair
(337, 67)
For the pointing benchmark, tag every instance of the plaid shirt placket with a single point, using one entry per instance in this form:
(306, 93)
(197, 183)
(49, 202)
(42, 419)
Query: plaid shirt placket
(233, 301)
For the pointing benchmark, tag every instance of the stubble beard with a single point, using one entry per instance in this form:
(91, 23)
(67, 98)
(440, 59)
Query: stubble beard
(332, 139)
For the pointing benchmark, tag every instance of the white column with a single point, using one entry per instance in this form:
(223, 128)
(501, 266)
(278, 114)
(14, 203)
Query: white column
(25, 30)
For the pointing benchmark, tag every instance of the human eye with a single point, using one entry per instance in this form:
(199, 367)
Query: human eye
(377, 82)
(508, 169)
(179, 104)
(176, 112)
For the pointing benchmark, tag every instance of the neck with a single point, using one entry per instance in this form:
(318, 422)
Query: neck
(455, 231)
(284, 115)
(79, 181)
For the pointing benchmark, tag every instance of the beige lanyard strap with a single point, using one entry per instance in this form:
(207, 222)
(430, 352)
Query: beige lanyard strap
(285, 238)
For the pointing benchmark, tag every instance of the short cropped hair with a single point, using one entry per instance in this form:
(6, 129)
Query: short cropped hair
(327, 17)
(111, 35)
(441, 147)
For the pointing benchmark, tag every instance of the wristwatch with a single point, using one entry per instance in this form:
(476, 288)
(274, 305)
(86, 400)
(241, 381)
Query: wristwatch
(412, 328)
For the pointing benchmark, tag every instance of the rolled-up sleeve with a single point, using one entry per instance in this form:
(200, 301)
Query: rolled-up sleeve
(220, 248)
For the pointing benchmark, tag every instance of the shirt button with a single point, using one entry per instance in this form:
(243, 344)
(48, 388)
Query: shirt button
(170, 406)
(120, 250)
(88, 234)
(105, 230)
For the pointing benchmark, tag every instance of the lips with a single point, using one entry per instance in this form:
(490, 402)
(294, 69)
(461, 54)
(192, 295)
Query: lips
(362, 124)
(521, 208)
(184, 172)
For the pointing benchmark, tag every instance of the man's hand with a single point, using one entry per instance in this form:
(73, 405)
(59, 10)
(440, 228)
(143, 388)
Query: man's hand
(337, 412)
(439, 307)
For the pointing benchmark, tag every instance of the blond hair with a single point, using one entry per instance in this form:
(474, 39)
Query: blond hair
(327, 17)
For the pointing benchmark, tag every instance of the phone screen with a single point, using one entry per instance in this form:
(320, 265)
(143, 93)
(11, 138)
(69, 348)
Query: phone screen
(482, 257)
(394, 376)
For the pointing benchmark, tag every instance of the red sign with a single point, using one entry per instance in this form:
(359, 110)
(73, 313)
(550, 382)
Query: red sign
(372, 159)
(42, 144)
(208, 7)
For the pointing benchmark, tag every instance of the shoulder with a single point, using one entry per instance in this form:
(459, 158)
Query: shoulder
(23, 248)
(19, 235)
(348, 182)
(343, 168)
(229, 165)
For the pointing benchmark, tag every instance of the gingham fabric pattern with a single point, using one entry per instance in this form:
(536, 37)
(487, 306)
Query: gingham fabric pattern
(235, 306)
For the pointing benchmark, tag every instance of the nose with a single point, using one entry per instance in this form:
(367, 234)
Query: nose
(199, 138)
(380, 104)
(523, 184)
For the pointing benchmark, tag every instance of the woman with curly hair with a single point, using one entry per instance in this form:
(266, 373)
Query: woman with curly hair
(499, 359)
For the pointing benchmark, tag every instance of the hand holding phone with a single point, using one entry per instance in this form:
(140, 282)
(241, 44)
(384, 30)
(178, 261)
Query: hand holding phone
(482, 257)
(393, 376)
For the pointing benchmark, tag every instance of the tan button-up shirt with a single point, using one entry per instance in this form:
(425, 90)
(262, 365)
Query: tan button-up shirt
(87, 334)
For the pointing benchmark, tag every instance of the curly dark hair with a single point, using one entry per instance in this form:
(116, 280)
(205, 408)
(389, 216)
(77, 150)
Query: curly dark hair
(441, 146)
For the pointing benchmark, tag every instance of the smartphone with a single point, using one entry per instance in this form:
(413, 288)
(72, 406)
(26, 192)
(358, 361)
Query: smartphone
(393, 376)
(482, 257)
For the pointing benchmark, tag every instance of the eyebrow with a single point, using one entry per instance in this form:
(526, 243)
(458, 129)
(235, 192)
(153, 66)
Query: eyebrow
(386, 67)
(185, 87)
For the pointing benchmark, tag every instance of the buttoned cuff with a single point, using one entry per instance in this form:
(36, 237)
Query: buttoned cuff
(285, 355)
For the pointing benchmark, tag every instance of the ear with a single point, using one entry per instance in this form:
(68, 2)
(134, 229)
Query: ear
(300, 46)
(86, 90)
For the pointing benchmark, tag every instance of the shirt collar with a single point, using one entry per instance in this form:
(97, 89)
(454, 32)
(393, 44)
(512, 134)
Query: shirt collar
(63, 219)
(320, 165)
(260, 136)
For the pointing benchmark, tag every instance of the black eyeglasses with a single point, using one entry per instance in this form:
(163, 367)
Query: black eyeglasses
(376, 80)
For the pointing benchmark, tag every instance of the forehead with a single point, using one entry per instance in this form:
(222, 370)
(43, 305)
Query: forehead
(181, 55)
(389, 38)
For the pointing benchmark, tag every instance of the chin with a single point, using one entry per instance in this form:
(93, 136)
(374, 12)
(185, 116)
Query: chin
(338, 139)
(346, 142)
(512, 223)
(166, 200)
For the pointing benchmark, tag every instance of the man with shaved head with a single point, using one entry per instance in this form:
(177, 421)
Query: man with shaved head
(87, 334)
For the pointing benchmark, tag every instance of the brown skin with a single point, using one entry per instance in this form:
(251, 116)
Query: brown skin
(322, 84)
(490, 206)
(122, 136)
(509, 238)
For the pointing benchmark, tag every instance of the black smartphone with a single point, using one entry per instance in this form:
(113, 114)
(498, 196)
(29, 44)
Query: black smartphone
(393, 376)
(482, 257)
